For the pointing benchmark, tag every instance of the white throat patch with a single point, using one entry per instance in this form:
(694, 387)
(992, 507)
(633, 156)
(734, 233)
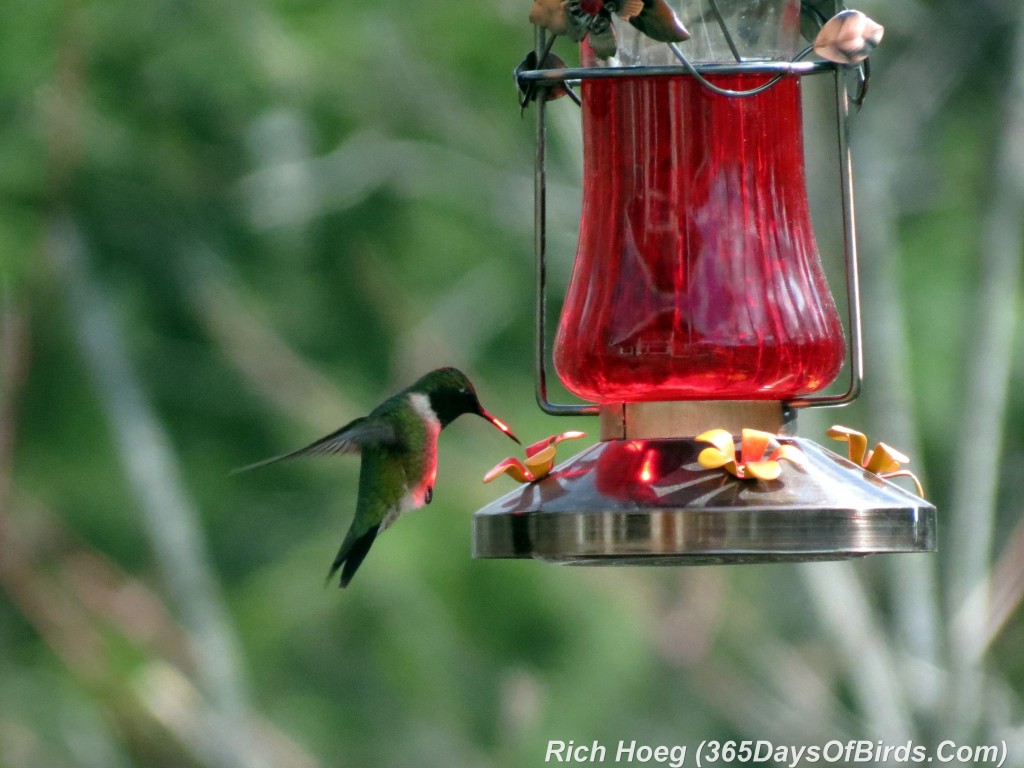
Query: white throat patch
(421, 404)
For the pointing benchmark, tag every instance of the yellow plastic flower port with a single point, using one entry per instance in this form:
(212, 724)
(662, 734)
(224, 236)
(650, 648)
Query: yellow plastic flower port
(540, 460)
(883, 460)
(754, 445)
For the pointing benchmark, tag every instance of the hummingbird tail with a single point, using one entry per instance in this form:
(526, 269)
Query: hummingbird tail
(351, 555)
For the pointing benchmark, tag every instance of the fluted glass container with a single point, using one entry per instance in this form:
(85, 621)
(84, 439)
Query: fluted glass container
(697, 274)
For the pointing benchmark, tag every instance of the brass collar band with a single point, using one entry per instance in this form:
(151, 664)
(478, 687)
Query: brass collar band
(645, 421)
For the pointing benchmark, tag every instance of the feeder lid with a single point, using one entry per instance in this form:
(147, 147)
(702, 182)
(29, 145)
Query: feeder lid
(649, 502)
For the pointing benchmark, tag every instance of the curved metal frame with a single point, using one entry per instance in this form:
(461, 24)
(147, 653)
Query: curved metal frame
(546, 78)
(550, 77)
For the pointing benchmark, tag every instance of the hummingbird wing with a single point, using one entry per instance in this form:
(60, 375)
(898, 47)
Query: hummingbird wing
(348, 439)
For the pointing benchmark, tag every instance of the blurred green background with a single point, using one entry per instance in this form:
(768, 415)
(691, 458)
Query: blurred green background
(227, 228)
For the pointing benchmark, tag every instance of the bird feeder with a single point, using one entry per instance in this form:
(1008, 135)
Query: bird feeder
(698, 319)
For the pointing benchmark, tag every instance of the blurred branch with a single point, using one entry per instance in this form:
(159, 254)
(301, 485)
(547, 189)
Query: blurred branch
(368, 161)
(61, 623)
(114, 598)
(171, 699)
(871, 669)
(170, 518)
(810, 690)
(273, 367)
(461, 322)
(63, 123)
(778, 699)
(913, 584)
(1007, 585)
(14, 363)
(936, 63)
(773, 692)
(988, 367)
(753, 709)
(76, 598)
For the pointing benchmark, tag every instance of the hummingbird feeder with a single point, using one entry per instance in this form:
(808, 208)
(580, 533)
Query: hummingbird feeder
(698, 315)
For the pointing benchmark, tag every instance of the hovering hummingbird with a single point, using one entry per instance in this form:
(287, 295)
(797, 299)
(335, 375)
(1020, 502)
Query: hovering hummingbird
(398, 443)
(659, 22)
(578, 19)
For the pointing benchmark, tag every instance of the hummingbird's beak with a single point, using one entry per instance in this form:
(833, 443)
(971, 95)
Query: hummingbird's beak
(498, 423)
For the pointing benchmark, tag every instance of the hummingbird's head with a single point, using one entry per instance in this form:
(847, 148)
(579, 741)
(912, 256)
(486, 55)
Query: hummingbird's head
(452, 394)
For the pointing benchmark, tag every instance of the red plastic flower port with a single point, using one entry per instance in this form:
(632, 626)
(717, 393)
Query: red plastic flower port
(754, 445)
(883, 460)
(540, 460)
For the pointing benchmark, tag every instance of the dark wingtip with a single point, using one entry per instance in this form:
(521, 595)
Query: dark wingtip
(261, 463)
(246, 468)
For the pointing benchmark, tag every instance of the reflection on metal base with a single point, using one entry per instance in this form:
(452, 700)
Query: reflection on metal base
(648, 502)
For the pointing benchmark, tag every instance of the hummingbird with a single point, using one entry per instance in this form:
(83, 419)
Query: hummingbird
(659, 22)
(398, 443)
(578, 19)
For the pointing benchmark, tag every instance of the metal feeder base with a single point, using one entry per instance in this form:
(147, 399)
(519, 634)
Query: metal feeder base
(648, 502)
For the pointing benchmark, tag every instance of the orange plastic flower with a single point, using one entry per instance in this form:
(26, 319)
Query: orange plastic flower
(540, 460)
(754, 445)
(883, 460)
